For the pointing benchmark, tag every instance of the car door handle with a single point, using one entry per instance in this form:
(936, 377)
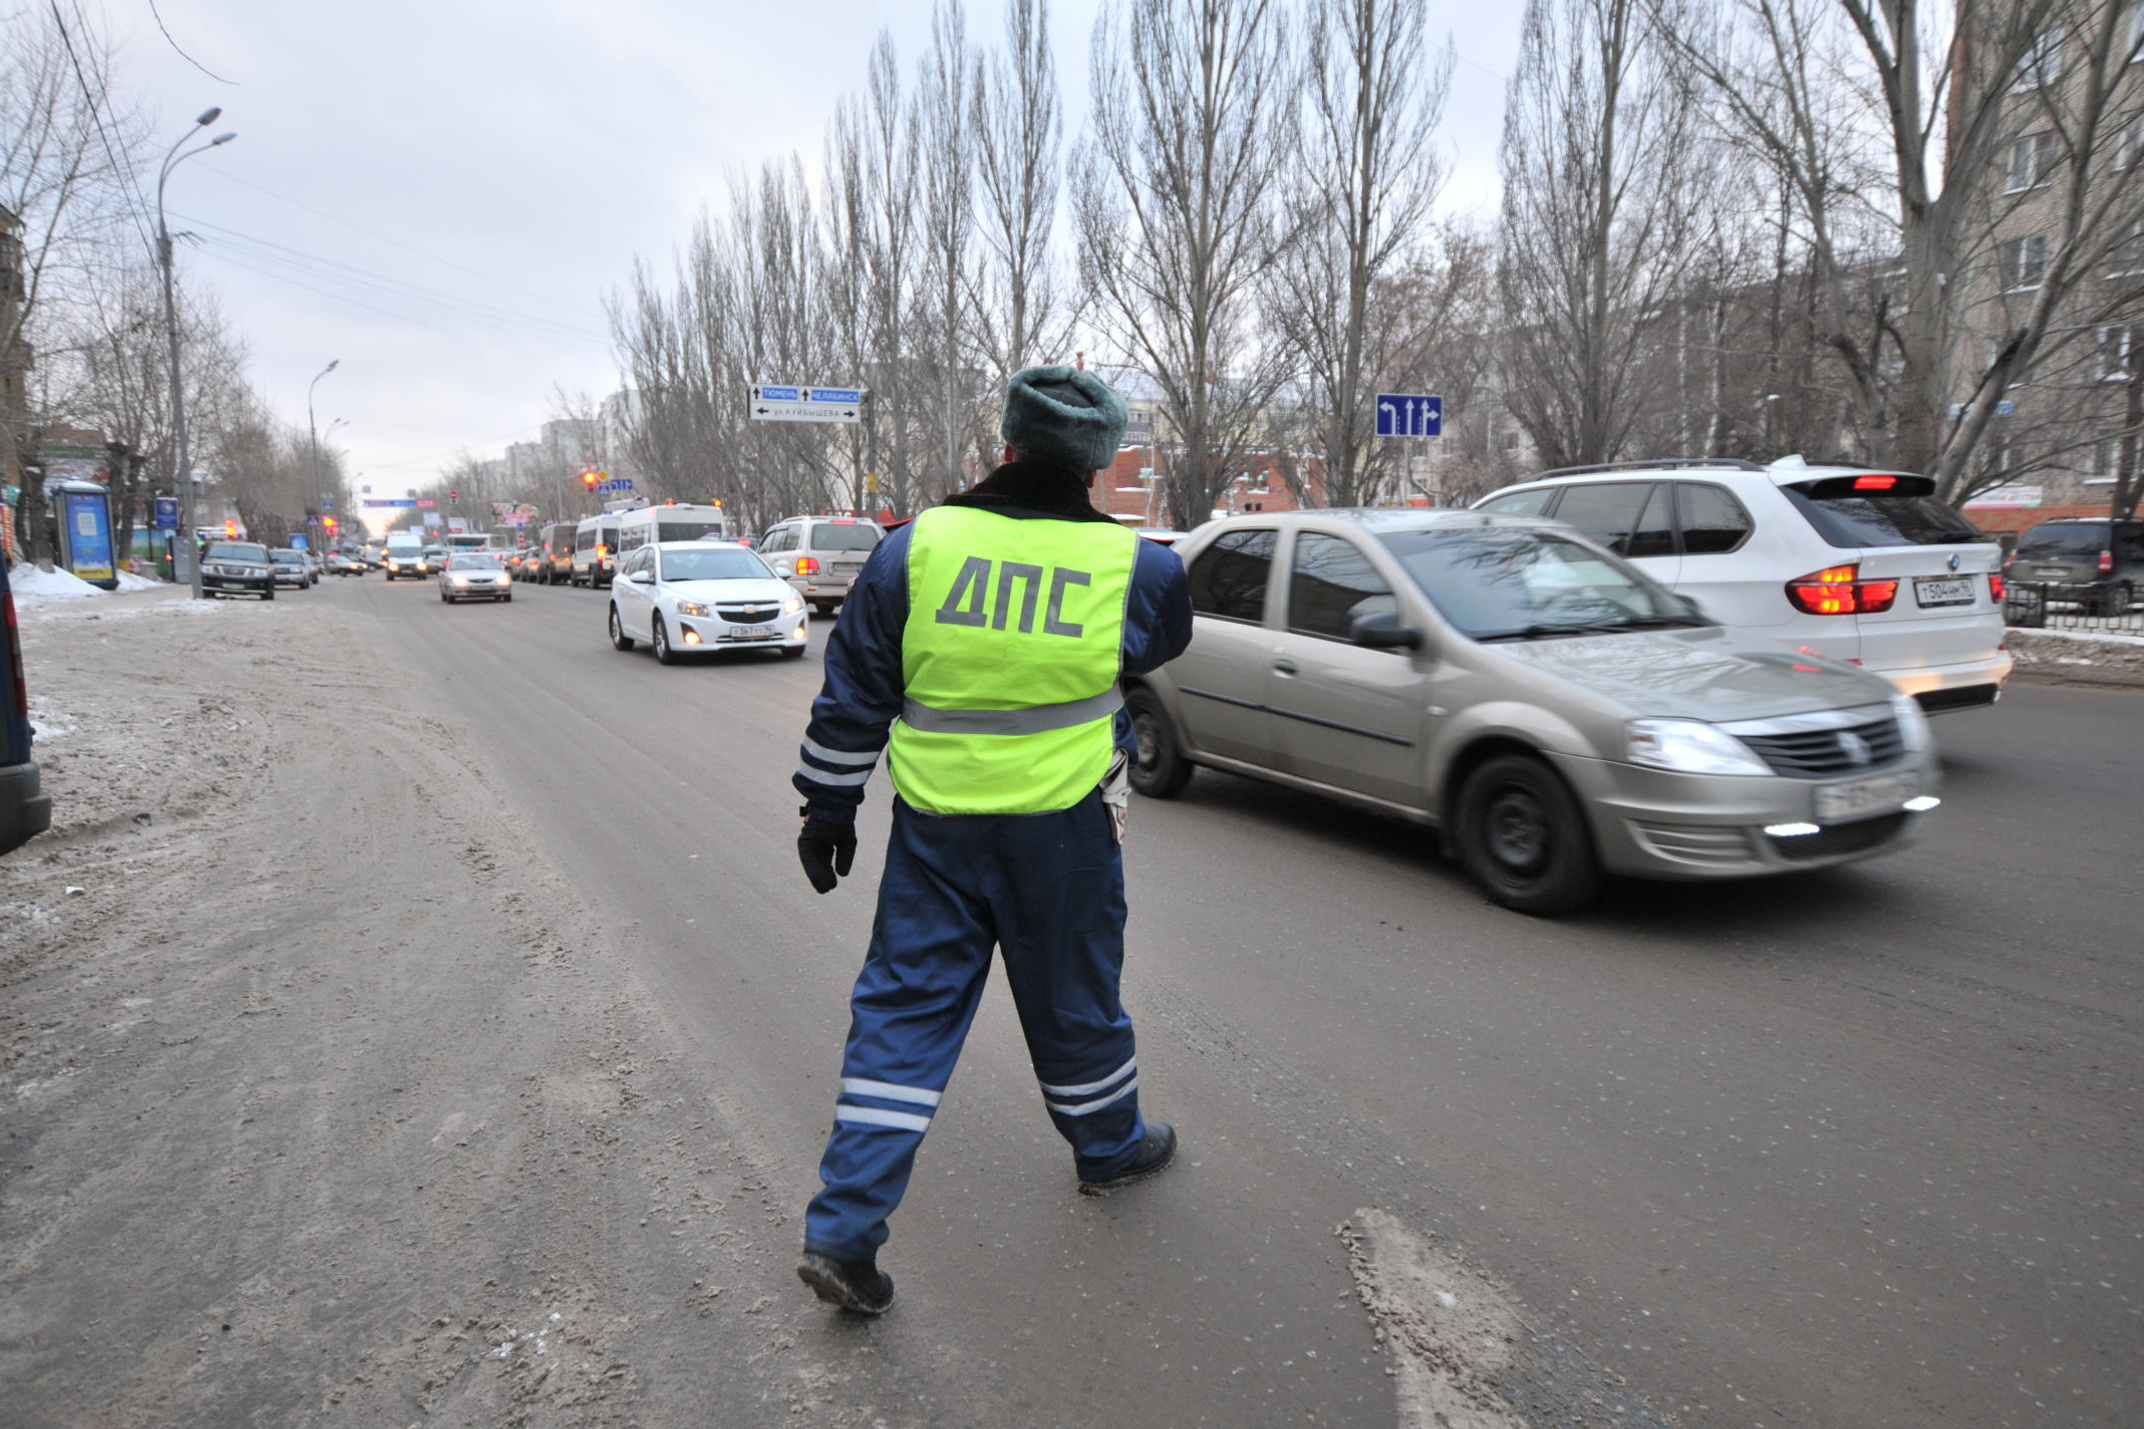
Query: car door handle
(1286, 667)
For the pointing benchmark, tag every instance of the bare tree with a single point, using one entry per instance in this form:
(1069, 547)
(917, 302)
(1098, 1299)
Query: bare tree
(1021, 320)
(1363, 178)
(945, 318)
(1178, 214)
(1596, 212)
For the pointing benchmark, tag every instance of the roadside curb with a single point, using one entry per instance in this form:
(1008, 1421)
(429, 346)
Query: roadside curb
(2062, 657)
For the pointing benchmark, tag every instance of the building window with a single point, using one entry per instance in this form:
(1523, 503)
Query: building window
(2116, 351)
(2032, 159)
(2126, 256)
(2023, 262)
(2041, 64)
(2109, 461)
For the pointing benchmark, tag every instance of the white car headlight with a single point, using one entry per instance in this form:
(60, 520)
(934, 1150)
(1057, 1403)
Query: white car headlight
(1688, 746)
(792, 605)
(1912, 722)
(690, 607)
(501, 578)
(461, 580)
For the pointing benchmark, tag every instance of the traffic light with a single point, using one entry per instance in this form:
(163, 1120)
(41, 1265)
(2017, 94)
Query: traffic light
(329, 522)
(590, 477)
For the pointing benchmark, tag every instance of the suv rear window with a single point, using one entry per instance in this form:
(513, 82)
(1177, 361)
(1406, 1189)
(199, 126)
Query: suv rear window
(843, 537)
(2082, 539)
(1848, 514)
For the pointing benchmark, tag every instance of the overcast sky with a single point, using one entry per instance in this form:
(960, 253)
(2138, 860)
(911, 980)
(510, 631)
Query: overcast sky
(438, 194)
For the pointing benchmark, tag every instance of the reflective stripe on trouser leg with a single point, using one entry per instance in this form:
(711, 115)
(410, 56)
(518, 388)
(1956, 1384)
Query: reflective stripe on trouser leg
(1061, 925)
(914, 1000)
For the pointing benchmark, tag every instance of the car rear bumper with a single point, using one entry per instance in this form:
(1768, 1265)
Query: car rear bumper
(25, 808)
(1970, 684)
(1653, 823)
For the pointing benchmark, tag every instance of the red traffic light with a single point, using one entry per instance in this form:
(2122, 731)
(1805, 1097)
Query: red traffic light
(589, 478)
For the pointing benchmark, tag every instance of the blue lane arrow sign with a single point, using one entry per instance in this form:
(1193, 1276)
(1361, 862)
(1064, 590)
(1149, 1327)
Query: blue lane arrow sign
(1402, 414)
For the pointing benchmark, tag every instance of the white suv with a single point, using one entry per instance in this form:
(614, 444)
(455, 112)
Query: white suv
(820, 555)
(1852, 564)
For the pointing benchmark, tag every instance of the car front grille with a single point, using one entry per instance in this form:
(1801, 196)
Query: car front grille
(1708, 846)
(1827, 753)
(1856, 837)
(749, 613)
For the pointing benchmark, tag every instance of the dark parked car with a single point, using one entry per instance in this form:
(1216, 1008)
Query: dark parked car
(25, 808)
(237, 568)
(2096, 564)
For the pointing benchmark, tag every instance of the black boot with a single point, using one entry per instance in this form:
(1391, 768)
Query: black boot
(1155, 1154)
(857, 1285)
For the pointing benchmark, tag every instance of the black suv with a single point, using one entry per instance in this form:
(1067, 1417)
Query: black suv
(25, 808)
(2097, 563)
(237, 568)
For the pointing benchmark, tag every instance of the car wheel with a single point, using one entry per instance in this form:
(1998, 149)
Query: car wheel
(1524, 838)
(507, 597)
(1159, 769)
(2115, 604)
(793, 652)
(2026, 609)
(268, 594)
(823, 608)
(618, 638)
(664, 655)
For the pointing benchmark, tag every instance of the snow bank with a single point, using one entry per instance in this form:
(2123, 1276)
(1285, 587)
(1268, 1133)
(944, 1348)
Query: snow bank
(32, 585)
(129, 581)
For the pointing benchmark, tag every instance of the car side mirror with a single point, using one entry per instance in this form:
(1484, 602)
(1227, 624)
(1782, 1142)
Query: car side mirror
(1381, 630)
(641, 578)
(1697, 612)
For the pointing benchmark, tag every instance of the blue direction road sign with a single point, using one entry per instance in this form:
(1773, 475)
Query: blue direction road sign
(1401, 414)
(829, 394)
(402, 503)
(166, 517)
(780, 394)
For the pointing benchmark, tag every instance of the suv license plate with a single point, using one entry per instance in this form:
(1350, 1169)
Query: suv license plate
(1929, 591)
(2051, 572)
(1865, 796)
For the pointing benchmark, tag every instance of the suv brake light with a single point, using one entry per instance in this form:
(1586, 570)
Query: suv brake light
(807, 566)
(1995, 588)
(1839, 590)
(2106, 562)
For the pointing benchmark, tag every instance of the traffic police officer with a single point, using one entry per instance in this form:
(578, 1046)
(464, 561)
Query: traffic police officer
(980, 653)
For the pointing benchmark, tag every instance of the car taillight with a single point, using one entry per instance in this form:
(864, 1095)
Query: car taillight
(1839, 590)
(807, 566)
(2106, 562)
(1995, 588)
(602, 551)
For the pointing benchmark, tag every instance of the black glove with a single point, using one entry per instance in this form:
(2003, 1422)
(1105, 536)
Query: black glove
(827, 851)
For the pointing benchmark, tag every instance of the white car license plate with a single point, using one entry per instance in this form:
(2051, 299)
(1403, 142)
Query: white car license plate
(753, 632)
(1931, 591)
(1865, 796)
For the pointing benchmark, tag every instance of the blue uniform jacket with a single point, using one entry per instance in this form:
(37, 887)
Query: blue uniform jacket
(862, 692)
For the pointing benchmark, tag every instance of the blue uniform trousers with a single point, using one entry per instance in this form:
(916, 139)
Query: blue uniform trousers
(1047, 889)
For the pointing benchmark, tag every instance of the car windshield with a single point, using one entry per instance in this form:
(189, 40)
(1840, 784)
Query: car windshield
(732, 564)
(237, 551)
(2081, 539)
(843, 536)
(472, 561)
(1847, 516)
(1524, 584)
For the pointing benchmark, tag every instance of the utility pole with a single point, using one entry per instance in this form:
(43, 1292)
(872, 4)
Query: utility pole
(189, 545)
(320, 505)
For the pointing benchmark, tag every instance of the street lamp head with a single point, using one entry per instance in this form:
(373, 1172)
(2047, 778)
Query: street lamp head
(223, 138)
(208, 116)
(333, 363)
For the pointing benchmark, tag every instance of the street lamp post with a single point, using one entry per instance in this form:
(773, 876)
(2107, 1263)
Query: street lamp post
(187, 519)
(313, 439)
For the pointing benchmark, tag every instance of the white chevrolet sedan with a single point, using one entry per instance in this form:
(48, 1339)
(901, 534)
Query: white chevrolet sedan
(688, 596)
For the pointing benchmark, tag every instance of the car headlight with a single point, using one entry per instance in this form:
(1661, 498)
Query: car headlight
(792, 605)
(501, 578)
(460, 580)
(1912, 722)
(1688, 746)
(690, 607)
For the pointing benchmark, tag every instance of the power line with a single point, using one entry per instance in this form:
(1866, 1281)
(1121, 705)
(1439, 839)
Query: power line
(136, 210)
(321, 267)
(181, 53)
(383, 238)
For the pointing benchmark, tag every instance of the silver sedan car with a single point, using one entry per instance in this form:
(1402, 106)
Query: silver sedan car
(1556, 714)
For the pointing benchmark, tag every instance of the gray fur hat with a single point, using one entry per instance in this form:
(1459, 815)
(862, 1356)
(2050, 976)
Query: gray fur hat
(1063, 416)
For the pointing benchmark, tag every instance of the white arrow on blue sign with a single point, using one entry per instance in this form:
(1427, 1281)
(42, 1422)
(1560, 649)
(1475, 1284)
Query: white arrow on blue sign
(1401, 414)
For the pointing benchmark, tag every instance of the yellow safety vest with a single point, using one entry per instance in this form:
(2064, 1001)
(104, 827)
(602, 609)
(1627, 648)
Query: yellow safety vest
(1010, 657)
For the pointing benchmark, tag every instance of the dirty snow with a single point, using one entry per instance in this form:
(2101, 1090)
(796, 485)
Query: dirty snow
(34, 585)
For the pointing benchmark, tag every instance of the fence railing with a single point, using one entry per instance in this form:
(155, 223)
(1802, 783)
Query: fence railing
(2102, 608)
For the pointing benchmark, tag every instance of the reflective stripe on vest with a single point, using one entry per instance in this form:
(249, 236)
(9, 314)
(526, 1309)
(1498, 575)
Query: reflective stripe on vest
(1010, 660)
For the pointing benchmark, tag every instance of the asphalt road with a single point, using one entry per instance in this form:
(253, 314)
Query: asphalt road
(1857, 1147)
